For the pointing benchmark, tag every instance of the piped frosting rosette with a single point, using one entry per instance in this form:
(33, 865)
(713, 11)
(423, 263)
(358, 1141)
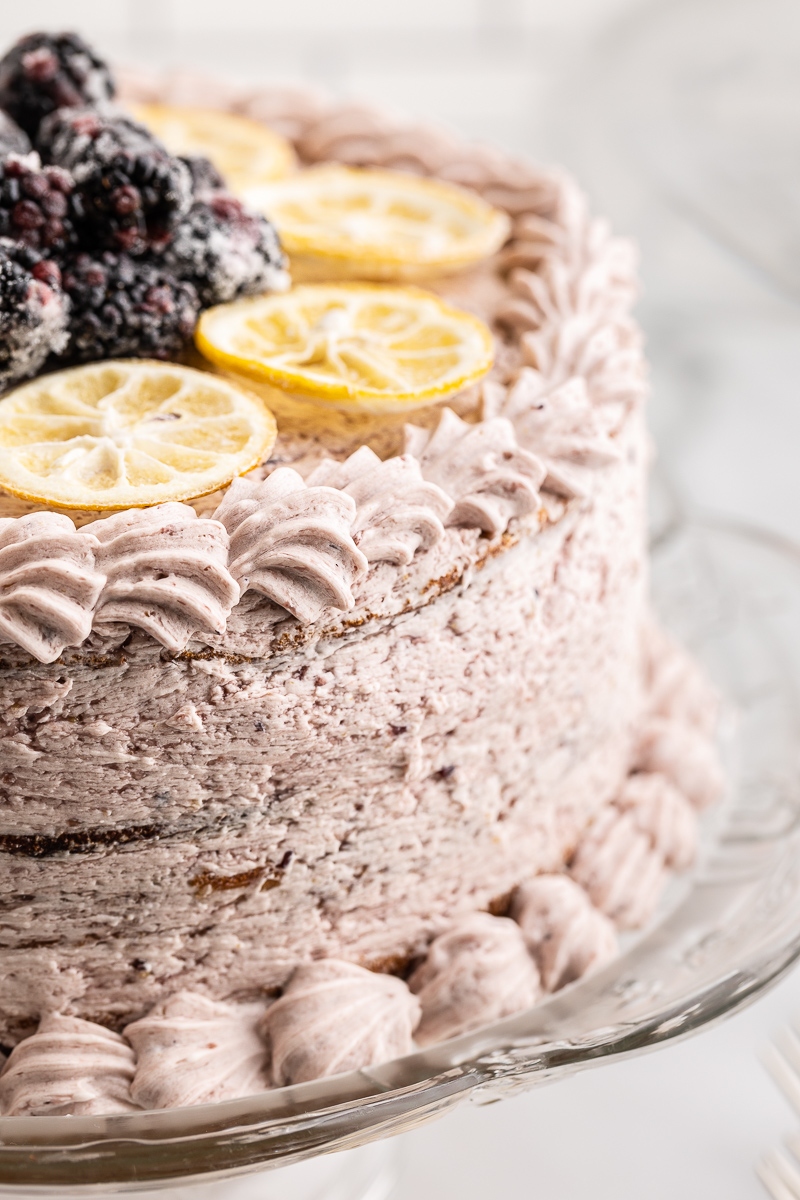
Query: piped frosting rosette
(49, 583)
(165, 572)
(292, 543)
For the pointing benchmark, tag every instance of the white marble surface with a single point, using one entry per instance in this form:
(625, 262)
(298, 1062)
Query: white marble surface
(689, 1120)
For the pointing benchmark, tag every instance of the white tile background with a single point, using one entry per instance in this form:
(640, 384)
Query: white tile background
(689, 1121)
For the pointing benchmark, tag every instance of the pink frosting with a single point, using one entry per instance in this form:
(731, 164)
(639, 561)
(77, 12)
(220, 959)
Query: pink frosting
(677, 689)
(476, 972)
(48, 583)
(570, 302)
(664, 814)
(572, 285)
(482, 469)
(292, 543)
(192, 1050)
(560, 426)
(335, 1017)
(287, 108)
(619, 868)
(555, 292)
(69, 1067)
(685, 755)
(622, 859)
(282, 793)
(397, 511)
(563, 931)
(362, 135)
(322, 839)
(166, 572)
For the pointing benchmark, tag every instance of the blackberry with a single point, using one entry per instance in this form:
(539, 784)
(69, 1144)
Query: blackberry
(125, 307)
(225, 250)
(46, 71)
(13, 140)
(35, 204)
(33, 312)
(130, 193)
(205, 176)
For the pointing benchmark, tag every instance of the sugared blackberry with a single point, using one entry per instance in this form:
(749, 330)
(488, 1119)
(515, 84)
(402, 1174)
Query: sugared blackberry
(205, 176)
(35, 204)
(13, 140)
(225, 250)
(33, 312)
(124, 307)
(46, 71)
(130, 192)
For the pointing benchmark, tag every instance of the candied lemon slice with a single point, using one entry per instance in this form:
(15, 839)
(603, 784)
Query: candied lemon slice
(362, 223)
(357, 346)
(243, 150)
(127, 434)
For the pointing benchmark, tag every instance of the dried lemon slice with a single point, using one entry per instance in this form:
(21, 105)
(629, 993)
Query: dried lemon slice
(349, 223)
(357, 346)
(243, 150)
(128, 434)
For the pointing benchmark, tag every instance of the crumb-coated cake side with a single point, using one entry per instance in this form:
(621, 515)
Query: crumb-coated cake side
(212, 819)
(365, 692)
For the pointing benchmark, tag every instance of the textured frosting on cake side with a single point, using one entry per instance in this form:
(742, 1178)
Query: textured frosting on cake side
(345, 788)
(373, 687)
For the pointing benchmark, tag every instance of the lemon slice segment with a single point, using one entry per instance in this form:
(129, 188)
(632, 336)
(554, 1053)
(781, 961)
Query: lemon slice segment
(356, 346)
(362, 223)
(128, 434)
(243, 150)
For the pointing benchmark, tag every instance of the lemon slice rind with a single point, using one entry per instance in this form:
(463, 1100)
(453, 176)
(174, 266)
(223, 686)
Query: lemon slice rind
(375, 224)
(246, 152)
(354, 346)
(128, 434)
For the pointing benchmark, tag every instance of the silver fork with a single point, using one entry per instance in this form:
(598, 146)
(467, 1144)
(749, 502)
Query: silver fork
(780, 1174)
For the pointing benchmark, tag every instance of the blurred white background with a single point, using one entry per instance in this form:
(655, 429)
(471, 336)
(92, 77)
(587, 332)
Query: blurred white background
(682, 119)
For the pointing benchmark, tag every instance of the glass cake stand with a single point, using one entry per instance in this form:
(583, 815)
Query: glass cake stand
(727, 931)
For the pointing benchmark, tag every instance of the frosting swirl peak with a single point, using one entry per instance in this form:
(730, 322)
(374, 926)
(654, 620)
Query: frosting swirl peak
(476, 972)
(166, 571)
(192, 1050)
(560, 425)
(566, 935)
(69, 1067)
(397, 511)
(292, 542)
(481, 467)
(48, 583)
(335, 1017)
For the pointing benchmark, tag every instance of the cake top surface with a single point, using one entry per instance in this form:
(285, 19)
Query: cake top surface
(367, 475)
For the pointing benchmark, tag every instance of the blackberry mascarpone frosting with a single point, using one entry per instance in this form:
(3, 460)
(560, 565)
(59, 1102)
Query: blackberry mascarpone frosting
(270, 758)
(476, 972)
(334, 1016)
(68, 1067)
(192, 1050)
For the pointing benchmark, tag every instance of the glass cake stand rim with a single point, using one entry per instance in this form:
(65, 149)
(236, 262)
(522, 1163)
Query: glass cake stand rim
(748, 871)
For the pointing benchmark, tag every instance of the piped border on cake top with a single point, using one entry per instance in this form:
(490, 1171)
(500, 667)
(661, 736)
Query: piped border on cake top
(570, 369)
